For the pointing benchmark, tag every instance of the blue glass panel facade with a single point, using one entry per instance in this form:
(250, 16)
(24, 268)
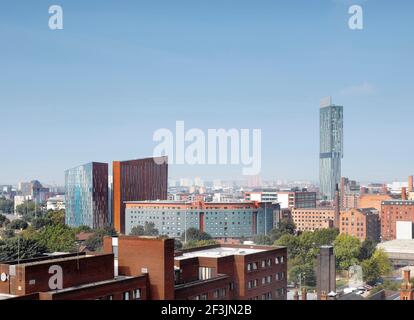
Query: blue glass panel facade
(331, 149)
(87, 195)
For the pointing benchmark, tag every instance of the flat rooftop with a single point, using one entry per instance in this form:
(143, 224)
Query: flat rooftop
(219, 252)
(398, 246)
(33, 263)
(93, 284)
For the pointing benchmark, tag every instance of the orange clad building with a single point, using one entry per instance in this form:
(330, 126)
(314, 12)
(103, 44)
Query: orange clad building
(137, 180)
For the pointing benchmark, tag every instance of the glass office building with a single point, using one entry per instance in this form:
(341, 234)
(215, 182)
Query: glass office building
(87, 195)
(331, 148)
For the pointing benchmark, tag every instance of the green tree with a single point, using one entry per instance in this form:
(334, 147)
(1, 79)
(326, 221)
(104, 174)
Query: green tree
(177, 244)
(17, 224)
(95, 242)
(367, 249)
(199, 243)
(149, 229)
(57, 238)
(38, 223)
(18, 247)
(6, 206)
(56, 217)
(325, 237)
(347, 250)
(371, 271)
(195, 234)
(80, 229)
(3, 221)
(29, 210)
(291, 243)
(262, 239)
(7, 233)
(285, 226)
(303, 273)
(137, 231)
(383, 261)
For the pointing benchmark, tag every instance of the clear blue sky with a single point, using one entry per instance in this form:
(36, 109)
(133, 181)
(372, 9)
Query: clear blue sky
(97, 90)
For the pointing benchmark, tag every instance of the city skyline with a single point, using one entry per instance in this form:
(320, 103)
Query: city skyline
(87, 87)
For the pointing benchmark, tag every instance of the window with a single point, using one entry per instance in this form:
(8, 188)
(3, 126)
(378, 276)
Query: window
(205, 273)
(137, 294)
(125, 295)
(254, 265)
(216, 293)
(263, 263)
(204, 296)
(269, 262)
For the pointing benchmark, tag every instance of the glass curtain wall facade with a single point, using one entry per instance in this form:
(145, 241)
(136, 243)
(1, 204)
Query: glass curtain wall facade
(87, 195)
(331, 149)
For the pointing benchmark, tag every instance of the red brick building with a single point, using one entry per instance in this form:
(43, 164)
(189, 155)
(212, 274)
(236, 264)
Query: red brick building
(361, 223)
(218, 272)
(393, 211)
(69, 277)
(147, 268)
(313, 219)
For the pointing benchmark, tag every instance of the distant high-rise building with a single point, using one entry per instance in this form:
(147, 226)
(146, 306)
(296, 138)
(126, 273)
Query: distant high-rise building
(331, 147)
(39, 193)
(137, 180)
(87, 195)
(24, 188)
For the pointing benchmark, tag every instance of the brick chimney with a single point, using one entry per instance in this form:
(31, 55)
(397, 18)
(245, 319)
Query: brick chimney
(324, 296)
(337, 207)
(304, 294)
(403, 193)
(410, 184)
(406, 276)
(406, 291)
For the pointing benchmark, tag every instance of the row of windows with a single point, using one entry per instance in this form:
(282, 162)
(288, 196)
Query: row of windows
(132, 295)
(265, 280)
(264, 264)
(279, 293)
(217, 294)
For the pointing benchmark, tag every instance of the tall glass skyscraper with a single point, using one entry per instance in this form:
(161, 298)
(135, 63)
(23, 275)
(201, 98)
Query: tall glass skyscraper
(331, 148)
(87, 196)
